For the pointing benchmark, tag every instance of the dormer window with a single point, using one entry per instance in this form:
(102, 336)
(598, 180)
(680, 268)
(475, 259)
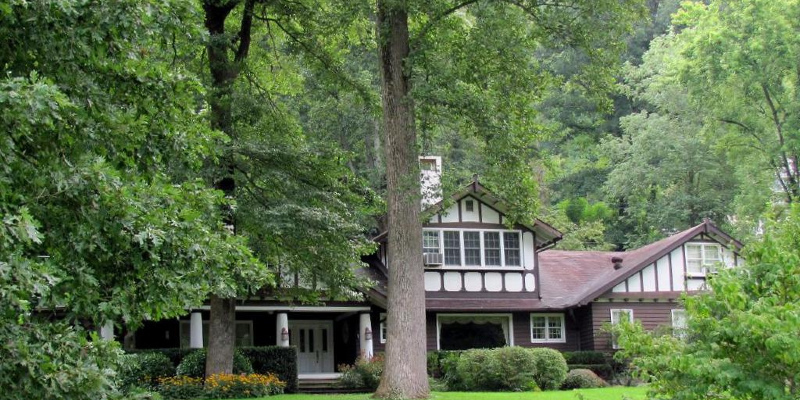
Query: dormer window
(475, 248)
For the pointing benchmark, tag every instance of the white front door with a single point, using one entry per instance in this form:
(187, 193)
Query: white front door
(314, 343)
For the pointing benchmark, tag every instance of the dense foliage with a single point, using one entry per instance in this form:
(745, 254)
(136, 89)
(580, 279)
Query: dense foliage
(582, 379)
(194, 364)
(741, 340)
(364, 374)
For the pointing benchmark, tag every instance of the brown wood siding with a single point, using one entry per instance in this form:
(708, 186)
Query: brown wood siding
(430, 331)
(651, 315)
(583, 317)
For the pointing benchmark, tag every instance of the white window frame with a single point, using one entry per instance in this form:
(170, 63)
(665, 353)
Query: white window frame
(704, 262)
(679, 331)
(476, 315)
(614, 344)
(483, 265)
(382, 330)
(547, 319)
(438, 240)
(184, 325)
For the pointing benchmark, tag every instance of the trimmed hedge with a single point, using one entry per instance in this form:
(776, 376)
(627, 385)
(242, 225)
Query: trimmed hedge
(551, 368)
(143, 370)
(604, 371)
(585, 357)
(175, 355)
(194, 364)
(281, 361)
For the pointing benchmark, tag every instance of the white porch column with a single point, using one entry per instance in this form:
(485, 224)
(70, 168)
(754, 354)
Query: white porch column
(196, 330)
(365, 334)
(107, 330)
(282, 329)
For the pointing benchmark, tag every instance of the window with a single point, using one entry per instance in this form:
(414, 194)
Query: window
(547, 328)
(244, 333)
(511, 244)
(383, 330)
(679, 323)
(452, 248)
(617, 315)
(472, 248)
(430, 242)
(702, 257)
(491, 243)
(475, 248)
(470, 205)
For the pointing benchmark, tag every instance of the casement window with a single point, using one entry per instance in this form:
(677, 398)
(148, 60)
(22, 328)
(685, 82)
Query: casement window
(548, 328)
(702, 258)
(679, 323)
(383, 330)
(430, 241)
(475, 248)
(618, 315)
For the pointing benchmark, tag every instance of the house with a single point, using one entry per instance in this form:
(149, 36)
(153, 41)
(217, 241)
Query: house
(486, 284)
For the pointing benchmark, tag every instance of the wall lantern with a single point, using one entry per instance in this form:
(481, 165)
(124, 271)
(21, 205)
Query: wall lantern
(367, 334)
(284, 334)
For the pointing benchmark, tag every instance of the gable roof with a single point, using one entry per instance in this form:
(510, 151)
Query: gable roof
(546, 233)
(574, 278)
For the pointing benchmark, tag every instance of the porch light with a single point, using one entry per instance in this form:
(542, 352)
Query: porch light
(284, 334)
(367, 334)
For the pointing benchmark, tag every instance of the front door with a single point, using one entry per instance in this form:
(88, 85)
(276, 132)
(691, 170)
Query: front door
(314, 343)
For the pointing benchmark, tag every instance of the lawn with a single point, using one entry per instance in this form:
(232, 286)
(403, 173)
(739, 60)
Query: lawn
(613, 393)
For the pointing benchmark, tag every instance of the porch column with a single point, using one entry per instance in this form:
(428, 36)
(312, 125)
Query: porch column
(107, 330)
(282, 330)
(365, 335)
(196, 330)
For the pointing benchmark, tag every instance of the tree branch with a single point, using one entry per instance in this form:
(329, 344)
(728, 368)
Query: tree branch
(433, 21)
(245, 31)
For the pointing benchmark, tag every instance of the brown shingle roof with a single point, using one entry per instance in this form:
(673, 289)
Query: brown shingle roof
(572, 278)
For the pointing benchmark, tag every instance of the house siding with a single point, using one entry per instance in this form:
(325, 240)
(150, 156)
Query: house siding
(651, 314)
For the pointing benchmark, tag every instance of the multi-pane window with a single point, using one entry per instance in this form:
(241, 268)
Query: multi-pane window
(491, 251)
(452, 248)
(547, 328)
(618, 315)
(475, 248)
(430, 241)
(511, 248)
(472, 248)
(679, 323)
(701, 257)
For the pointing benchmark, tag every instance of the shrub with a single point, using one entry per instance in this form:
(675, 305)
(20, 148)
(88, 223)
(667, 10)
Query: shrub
(281, 361)
(583, 379)
(514, 368)
(474, 370)
(364, 374)
(604, 371)
(551, 368)
(437, 359)
(143, 370)
(585, 357)
(448, 369)
(194, 364)
(175, 355)
(181, 387)
(229, 386)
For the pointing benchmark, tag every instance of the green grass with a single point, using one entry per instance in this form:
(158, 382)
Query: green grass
(612, 393)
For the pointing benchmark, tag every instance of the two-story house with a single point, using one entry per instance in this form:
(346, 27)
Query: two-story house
(486, 285)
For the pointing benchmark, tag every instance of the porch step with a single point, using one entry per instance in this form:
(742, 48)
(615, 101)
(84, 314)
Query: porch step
(322, 386)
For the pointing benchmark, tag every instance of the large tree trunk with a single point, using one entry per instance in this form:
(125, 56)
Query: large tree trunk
(224, 71)
(221, 336)
(404, 373)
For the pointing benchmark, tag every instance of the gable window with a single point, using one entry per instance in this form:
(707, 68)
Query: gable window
(679, 323)
(430, 242)
(475, 248)
(702, 257)
(452, 248)
(548, 328)
(472, 248)
(511, 244)
(470, 205)
(618, 315)
(491, 243)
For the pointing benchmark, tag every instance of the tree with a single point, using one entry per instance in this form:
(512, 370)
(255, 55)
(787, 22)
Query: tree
(741, 339)
(105, 218)
(405, 60)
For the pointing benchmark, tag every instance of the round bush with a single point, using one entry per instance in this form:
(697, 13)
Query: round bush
(474, 369)
(551, 368)
(194, 364)
(583, 379)
(514, 368)
(143, 370)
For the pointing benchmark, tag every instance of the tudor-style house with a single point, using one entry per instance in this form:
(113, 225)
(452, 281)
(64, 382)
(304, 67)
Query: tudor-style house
(486, 284)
